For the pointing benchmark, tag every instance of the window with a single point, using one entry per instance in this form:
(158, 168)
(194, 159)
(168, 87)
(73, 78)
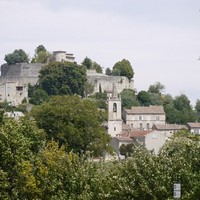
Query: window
(196, 131)
(157, 118)
(140, 126)
(154, 136)
(140, 118)
(19, 88)
(114, 128)
(147, 126)
(131, 126)
(114, 107)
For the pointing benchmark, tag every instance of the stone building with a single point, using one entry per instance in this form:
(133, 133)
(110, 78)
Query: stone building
(62, 56)
(13, 92)
(143, 118)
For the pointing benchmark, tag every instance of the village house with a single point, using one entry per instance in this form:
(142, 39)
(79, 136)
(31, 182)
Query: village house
(143, 118)
(194, 127)
(13, 93)
(168, 129)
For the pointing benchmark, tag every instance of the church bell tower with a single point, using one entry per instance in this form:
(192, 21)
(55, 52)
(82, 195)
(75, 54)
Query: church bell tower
(114, 113)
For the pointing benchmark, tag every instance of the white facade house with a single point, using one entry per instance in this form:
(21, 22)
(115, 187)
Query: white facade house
(143, 118)
(13, 92)
(15, 114)
(62, 56)
(194, 127)
(168, 129)
(153, 140)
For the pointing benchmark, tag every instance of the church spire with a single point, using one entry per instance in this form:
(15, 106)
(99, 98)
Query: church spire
(114, 92)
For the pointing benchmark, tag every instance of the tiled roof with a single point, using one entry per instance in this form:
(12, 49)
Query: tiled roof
(126, 127)
(134, 133)
(124, 138)
(146, 110)
(194, 125)
(169, 127)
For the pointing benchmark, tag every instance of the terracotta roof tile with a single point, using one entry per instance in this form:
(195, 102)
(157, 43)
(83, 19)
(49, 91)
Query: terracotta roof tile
(194, 125)
(146, 110)
(169, 127)
(134, 133)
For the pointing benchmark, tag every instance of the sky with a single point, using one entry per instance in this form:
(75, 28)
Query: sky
(160, 38)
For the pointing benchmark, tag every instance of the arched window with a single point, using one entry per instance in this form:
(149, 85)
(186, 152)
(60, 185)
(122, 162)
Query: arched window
(114, 107)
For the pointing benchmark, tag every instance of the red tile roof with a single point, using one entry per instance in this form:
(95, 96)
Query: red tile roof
(134, 133)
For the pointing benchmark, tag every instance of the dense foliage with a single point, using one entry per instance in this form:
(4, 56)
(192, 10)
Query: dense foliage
(123, 68)
(73, 121)
(41, 55)
(29, 169)
(92, 65)
(18, 56)
(63, 78)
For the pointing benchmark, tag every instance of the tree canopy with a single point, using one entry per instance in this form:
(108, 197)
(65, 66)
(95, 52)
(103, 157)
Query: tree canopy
(74, 121)
(123, 68)
(156, 88)
(129, 98)
(91, 65)
(18, 56)
(62, 78)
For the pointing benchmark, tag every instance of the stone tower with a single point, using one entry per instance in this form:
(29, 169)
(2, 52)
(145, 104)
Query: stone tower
(114, 114)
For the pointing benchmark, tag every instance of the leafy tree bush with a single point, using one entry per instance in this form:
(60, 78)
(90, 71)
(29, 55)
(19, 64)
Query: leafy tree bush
(18, 56)
(73, 121)
(144, 98)
(123, 68)
(92, 65)
(58, 78)
(129, 98)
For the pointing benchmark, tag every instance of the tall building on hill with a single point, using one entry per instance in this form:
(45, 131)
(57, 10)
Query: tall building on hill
(114, 113)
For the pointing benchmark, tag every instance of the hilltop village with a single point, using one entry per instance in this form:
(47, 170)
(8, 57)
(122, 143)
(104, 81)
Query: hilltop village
(144, 125)
(69, 131)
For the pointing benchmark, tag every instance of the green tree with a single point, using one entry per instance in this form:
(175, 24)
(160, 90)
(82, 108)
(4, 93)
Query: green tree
(18, 56)
(155, 99)
(39, 96)
(180, 156)
(87, 62)
(182, 102)
(108, 71)
(144, 98)
(19, 141)
(92, 65)
(58, 78)
(88, 88)
(41, 55)
(124, 68)
(97, 67)
(156, 88)
(197, 105)
(129, 98)
(73, 121)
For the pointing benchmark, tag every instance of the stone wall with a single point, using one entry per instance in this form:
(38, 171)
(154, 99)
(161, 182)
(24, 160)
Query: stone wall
(106, 82)
(23, 73)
